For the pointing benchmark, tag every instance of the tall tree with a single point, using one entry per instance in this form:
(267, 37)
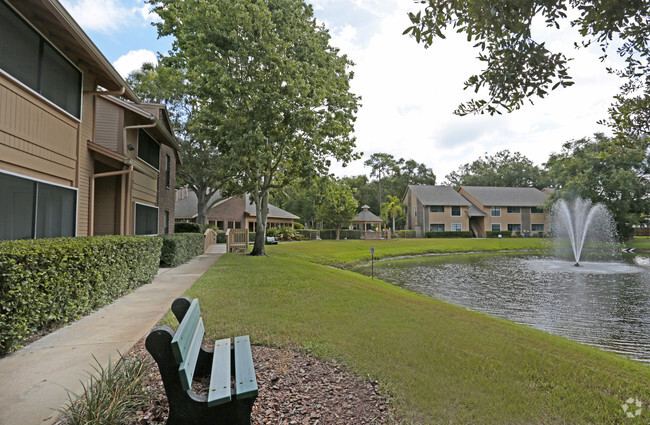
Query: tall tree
(615, 174)
(518, 67)
(503, 169)
(392, 209)
(274, 95)
(337, 205)
(202, 169)
(382, 165)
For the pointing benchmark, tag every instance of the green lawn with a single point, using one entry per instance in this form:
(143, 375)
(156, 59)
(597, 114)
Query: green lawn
(443, 364)
(641, 243)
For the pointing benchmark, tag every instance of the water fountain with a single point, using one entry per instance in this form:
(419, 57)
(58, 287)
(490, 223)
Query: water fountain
(580, 222)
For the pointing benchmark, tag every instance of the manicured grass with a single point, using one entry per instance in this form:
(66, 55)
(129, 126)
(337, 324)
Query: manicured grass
(442, 363)
(642, 243)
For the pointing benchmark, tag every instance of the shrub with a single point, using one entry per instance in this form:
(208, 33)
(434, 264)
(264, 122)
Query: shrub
(495, 234)
(466, 234)
(286, 233)
(298, 226)
(251, 236)
(308, 234)
(51, 281)
(221, 237)
(112, 395)
(349, 234)
(177, 248)
(406, 233)
(272, 232)
(328, 234)
(187, 228)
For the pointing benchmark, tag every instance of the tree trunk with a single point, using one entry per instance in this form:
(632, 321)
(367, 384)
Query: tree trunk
(202, 210)
(338, 232)
(261, 213)
(393, 224)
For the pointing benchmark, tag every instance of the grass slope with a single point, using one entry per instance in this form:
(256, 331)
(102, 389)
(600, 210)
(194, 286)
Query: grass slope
(442, 363)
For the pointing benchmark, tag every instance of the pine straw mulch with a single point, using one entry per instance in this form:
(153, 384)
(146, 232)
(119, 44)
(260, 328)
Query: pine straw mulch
(294, 388)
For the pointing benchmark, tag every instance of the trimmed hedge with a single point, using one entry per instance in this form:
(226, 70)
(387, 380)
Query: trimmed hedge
(349, 234)
(466, 234)
(251, 237)
(495, 234)
(406, 234)
(53, 281)
(178, 248)
(308, 234)
(187, 227)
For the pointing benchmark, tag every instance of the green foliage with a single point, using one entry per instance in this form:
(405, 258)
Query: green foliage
(495, 233)
(409, 234)
(614, 174)
(52, 281)
(448, 234)
(308, 234)
(328, 234)
(187, 227)
(251, 237)
(286, 233)
(112, 395)
(178, 248)
(503, 169)
(516, 66)
(221, 237)
(298, 226)
(337, 205)
(392, 209)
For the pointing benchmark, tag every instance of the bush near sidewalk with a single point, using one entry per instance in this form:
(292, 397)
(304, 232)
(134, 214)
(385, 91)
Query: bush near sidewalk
(178, 248)
(44, 282)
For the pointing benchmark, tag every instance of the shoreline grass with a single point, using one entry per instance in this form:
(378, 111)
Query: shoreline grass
(443, 364)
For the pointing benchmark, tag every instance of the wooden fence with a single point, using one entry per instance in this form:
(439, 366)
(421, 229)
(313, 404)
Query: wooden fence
(236, 240)
(209, 238)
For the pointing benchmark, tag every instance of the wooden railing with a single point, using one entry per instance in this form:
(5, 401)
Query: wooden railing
(209, 238)
(236, 240)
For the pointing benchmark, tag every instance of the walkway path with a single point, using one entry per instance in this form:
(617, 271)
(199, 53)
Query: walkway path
(33, 380)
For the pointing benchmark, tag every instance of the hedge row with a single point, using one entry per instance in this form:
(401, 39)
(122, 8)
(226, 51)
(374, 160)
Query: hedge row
(343, 234)
(308, 234)
(178, 248)
(495, 233)
(49, 281)
(187, 227)
(406, 234)
(449, 234)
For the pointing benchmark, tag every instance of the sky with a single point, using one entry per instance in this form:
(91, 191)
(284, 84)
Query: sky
(408, 93)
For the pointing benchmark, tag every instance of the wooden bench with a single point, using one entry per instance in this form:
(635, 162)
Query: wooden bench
(180, 357)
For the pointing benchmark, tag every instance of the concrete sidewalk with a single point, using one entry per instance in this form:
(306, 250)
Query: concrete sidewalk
(34, 380)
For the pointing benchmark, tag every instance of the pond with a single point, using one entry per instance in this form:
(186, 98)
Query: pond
(602, 304)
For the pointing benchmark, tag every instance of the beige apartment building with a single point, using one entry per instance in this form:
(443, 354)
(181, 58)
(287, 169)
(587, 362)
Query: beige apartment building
(79, 154)
(476, 209)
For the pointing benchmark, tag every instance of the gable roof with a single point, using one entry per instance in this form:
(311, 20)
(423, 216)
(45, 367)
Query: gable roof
(438, 195)
(507, 196)
(188, 207)
(366, 216)
(274, 212)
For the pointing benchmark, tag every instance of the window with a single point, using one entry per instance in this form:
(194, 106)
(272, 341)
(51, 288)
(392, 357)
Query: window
(33, 61)
(168, 171)
(455, 211)
(496, 227)
(148, 149)
(436, 227)
(514, 227)
(536, 227)
(211, 222)
(437, 209)
(514, 210)
(220, 224)
(456, 227)
(34, 209)
(146, 220)
(415, 211)
(166, 222)
(495, 211)
(536, 210)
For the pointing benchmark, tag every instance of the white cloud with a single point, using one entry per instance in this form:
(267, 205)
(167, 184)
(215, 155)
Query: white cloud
(98, 15)
(147, 15)
(409, 94)
(133, 61)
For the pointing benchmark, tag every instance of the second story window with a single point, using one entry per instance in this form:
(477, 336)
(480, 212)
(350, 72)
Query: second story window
(32, 60)
(148, 149)
(514, 210)
(455, 211)
(168, 170)
(495, 211)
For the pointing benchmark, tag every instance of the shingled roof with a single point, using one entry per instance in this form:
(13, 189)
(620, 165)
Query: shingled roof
(438, 195)
(274, 212)
(187, 207)
(507, 196)
(366, 216)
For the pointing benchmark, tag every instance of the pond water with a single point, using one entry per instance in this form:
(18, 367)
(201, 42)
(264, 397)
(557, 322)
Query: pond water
(602, 304)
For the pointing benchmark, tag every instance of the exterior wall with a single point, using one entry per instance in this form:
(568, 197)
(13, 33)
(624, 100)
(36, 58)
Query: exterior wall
(229, 210)
(446, 218)
(145, 186)
(85, 164)
(109, 124)
(107, 206)
(166, 194)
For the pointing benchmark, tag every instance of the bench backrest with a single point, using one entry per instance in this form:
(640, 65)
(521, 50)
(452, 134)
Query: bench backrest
(187, 341)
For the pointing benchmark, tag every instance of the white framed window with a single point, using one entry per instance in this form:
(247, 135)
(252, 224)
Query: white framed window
(514, 227)
(456, 227)
(436, 227)
(495, 211)
(146, 219)
(537, 227)
(496, 227)
(455, 211)
(35, 209)
(513, 210)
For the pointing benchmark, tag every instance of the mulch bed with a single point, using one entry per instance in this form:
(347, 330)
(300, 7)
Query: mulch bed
(294, 388)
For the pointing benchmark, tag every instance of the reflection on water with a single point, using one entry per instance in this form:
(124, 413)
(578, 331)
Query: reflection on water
(602, 304)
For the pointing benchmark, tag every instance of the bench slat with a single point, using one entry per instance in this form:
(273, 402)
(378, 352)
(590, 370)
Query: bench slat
(186, 369)
(183, 336)
(219, 392)
(245, 381)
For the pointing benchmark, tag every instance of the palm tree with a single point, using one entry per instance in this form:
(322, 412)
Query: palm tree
(393, 208)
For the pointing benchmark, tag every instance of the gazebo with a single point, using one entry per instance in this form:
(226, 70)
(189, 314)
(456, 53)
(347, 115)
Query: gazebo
(368, 223)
